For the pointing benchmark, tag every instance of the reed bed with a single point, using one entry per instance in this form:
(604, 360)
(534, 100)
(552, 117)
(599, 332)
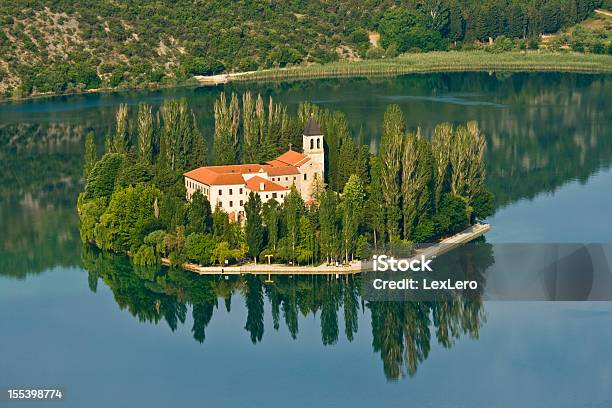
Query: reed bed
(453, 61)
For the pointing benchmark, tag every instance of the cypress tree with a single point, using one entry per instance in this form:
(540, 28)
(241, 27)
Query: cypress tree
(346, 162)
(352, 213)
(417, 182)
(440, 146)
(224, 152)
(391, 158)
(254, 226)
(145, 133)
(329, 225)
(294, 207)
(250, 130)
(270, 212)
(375, 207)
(122, 135)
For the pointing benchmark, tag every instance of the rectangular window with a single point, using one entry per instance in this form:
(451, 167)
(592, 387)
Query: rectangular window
(286, 178)
(241, 203)
(294, 178)
(240, 193)
(231, 204)
(220, 192)
(273, 195)
(305, 176)
(266, 195)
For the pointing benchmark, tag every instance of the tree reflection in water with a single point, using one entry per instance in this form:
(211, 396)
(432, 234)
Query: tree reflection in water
(401, 331)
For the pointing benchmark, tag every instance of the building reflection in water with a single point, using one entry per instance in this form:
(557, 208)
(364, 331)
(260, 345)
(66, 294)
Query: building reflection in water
(402, 332)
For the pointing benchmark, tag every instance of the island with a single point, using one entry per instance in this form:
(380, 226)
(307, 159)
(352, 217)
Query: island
(298, 190)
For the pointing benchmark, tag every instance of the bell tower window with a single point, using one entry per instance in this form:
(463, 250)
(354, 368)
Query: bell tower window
(311, 144)
(318, 143)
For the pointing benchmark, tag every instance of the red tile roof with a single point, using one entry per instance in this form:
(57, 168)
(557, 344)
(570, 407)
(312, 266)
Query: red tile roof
(284, 165)
(280, 169)
(255, 184)
(292, 158)
(206, 176)
(223, 175)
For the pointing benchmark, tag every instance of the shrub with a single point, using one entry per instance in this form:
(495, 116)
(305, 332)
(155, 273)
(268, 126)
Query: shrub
(533, 44)
(375, 53)
(597, 48)
(145, 256)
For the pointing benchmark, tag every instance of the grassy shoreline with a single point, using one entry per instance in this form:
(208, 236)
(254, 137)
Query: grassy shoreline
(432, 62)
(450, 61)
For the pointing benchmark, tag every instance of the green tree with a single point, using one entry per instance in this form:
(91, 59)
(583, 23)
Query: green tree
(375, 204)
(182, 146)
(417, 182)
(482, 205)
(254, 226)
(456, 27)
(390, 160)
(101, 179)
(441, 149)
(226, 118)
(270, 212)
(129, 211)
(199, 248)
(122, 134)
(293, 209)
(352, 212)
(328, 222)
(145, 133)
(199, 214)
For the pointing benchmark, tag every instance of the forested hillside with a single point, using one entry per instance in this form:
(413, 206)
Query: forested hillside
(62, 45)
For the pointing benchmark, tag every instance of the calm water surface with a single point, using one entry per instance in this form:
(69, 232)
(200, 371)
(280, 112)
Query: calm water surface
(112, 335)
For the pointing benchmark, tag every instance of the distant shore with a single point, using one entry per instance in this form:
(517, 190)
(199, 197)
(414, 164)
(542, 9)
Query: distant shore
(431, 62)
(446, 245)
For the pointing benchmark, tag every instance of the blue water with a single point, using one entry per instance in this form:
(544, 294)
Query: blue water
(549, 156)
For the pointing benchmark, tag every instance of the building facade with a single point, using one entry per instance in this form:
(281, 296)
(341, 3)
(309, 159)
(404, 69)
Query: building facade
(228, 187)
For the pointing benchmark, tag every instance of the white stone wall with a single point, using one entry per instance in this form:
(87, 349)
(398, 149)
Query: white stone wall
(230, 198)
(191, 186)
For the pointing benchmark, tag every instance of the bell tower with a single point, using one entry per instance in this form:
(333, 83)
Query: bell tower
(312, 140)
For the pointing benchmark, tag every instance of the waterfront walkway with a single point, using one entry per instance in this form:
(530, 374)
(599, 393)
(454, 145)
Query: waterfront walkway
(429, 252)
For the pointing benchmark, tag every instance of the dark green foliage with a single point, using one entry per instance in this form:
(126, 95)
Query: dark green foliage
(254, 225)
(181, 146)
(135, 44)
(374, 207)
(133, 172)
(101, 180)
(483, 205)
(199, 248)
(202, 66)
(129, 211)
(271, 219)
(328, 220)
(199, 214)
(452, 215)
(137, 204)
(293, 209)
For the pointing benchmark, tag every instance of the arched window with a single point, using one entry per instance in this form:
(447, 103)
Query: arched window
(318, 143)
(312, 143)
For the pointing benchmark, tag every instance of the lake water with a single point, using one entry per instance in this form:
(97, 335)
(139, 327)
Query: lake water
(112, 335)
